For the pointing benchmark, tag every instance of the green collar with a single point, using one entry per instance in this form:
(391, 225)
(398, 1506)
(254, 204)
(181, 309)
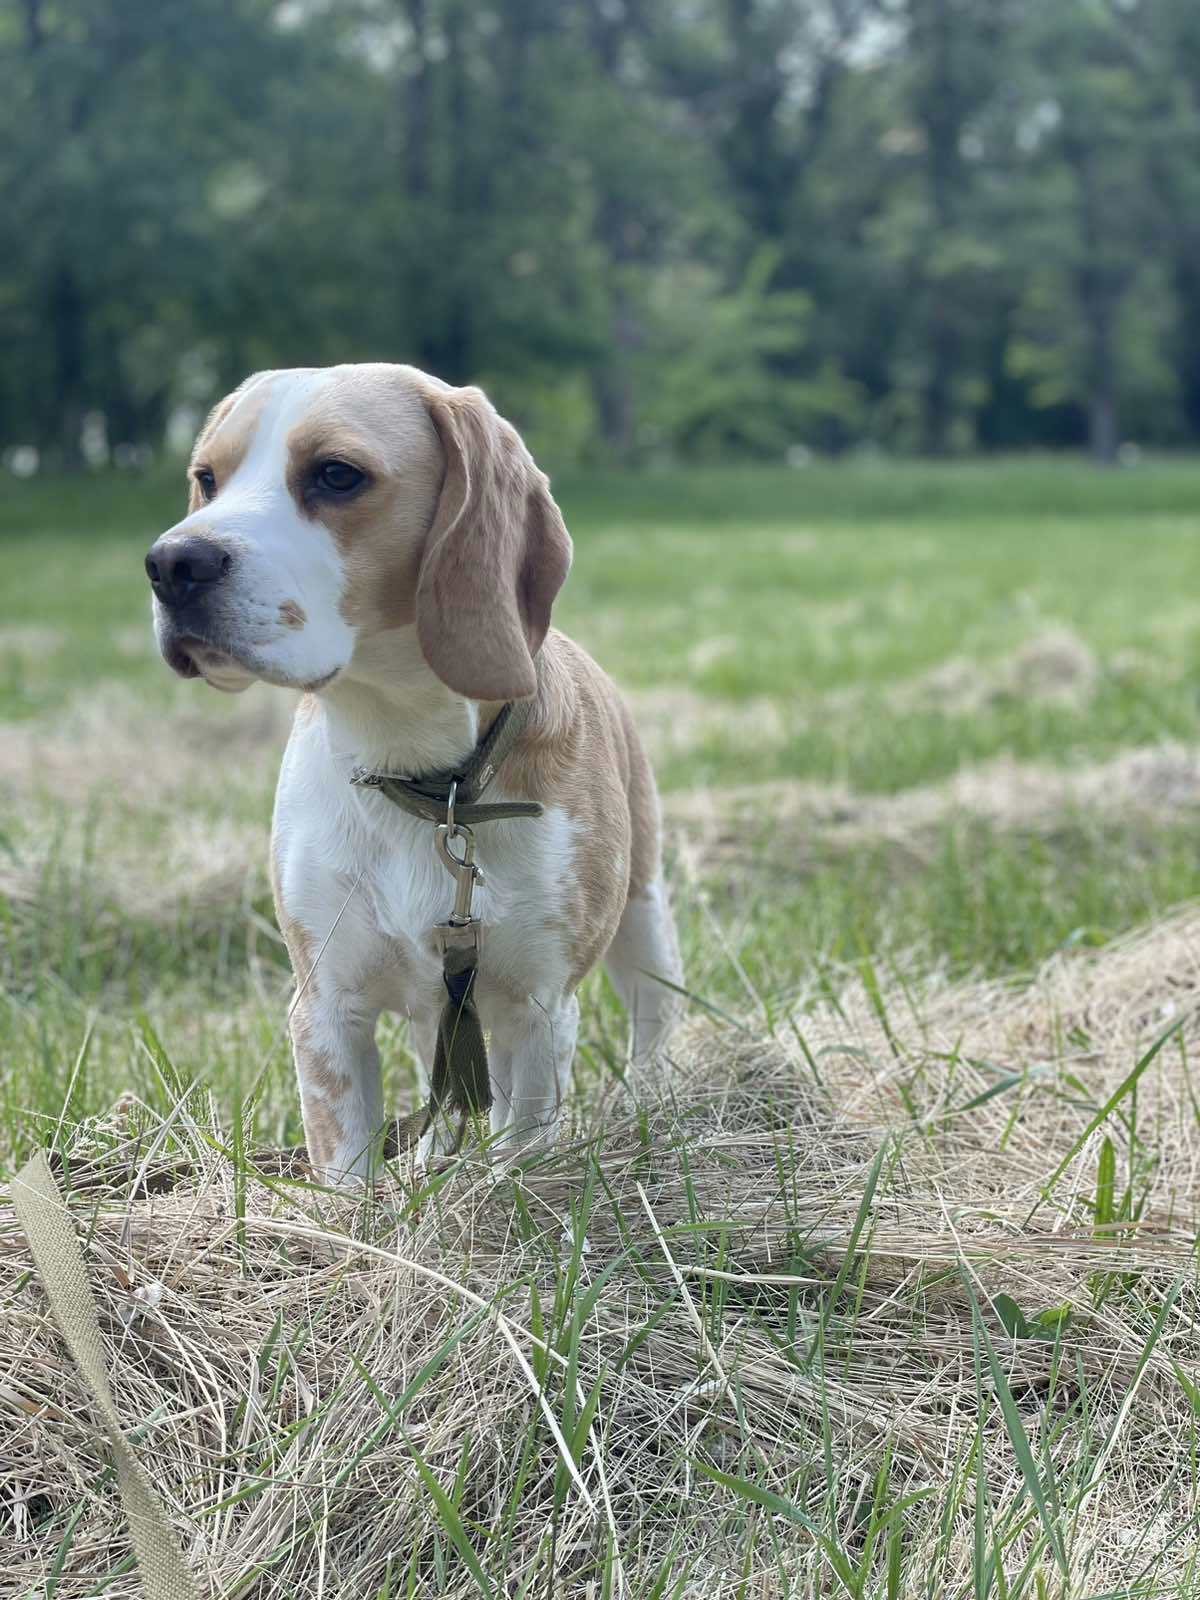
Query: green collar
(429, 796)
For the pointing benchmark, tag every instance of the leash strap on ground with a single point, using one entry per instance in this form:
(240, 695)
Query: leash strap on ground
(43, 1215)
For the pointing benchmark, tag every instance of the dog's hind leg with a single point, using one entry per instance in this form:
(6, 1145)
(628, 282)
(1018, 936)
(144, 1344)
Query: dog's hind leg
(643, 963)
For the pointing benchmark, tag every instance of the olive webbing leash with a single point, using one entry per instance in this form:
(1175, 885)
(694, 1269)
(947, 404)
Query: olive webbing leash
(459, 1082)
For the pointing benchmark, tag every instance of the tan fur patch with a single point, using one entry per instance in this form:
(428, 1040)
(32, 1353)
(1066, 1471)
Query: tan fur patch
(297, 937)
(302, 954)
(322, 1132)
(292, 615)
(319, 1074)
(377, 420)
(322, 436)
(581, 751)
(224, 440)
(381, 554)
(314, 1067)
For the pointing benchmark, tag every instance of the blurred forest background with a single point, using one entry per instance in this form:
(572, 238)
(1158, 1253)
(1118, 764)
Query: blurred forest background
(655, 229)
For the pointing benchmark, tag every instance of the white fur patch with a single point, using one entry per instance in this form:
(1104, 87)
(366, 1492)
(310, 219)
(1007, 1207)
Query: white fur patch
(279, 557)
(331, 835)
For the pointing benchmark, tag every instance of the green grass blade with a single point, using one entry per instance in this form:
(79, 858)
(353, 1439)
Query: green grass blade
(451, 1521)
(778, 1506)
(1125, 1087)
(1041, 1494)
(860, 1222)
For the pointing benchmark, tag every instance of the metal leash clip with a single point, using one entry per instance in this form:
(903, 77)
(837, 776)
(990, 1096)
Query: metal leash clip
(462, 931)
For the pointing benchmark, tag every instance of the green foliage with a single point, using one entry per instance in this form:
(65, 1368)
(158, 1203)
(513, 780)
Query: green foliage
(726, 229)
(729, 392)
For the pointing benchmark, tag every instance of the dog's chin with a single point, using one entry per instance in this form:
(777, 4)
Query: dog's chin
(194, 658)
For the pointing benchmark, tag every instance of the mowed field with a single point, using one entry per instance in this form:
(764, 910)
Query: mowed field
(884, 1284)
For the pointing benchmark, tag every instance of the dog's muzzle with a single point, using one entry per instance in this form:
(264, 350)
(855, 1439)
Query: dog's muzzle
(187, 575)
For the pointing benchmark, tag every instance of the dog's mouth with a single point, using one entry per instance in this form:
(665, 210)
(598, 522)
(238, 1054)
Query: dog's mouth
(178, 657)
(193, 657)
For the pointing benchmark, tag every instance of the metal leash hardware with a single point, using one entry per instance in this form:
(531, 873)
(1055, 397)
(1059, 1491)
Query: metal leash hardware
(463, 930)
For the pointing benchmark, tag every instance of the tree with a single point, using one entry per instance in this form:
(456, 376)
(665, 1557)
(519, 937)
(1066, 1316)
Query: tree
(113, 119)
(731, 226)
(1092, 197)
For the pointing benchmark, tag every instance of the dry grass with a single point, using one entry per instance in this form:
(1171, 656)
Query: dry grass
(1151, 786)
(172, 802)
(759, 1259)
(675, 720)
(1054, 666)
(182, 750)
(827, 1251)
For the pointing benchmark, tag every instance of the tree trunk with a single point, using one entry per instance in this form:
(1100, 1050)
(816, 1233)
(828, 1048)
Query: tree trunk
(938, 400)
(612, 380)
(941, 111)
(1186, 276)
(452, 350)
(417, 104)
(1102, 428)
(763, 178)
(67, 334)
(1101, 287)
(1101, 296)
(1103, 423)
(35, 33)
(612, 384)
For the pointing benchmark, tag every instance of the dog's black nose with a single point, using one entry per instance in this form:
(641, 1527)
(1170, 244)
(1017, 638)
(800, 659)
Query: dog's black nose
(182, 569)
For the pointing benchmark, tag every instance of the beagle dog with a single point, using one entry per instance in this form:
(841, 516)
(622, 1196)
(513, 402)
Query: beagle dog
(385, 544)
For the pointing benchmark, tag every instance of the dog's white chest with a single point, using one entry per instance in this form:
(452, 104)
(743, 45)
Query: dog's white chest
(365, 881)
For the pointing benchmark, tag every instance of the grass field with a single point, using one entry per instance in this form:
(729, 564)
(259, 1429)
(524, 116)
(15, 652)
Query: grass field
(884, 1285)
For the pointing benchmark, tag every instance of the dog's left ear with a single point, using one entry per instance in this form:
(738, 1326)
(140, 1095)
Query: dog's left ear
(496, 555)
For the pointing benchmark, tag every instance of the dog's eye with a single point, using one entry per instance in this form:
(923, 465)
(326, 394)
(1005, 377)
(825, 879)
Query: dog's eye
(205, 482)
(338, 477)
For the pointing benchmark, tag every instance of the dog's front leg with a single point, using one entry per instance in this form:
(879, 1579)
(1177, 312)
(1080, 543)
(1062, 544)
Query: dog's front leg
(533, 1046)
(337, 1066)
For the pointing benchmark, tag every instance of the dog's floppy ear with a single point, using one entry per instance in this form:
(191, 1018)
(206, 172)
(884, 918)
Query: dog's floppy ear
(496, 555)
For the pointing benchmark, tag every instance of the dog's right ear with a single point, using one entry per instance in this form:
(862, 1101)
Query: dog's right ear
(496, 555)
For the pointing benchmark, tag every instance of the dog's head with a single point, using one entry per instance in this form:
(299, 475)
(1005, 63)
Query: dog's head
(331, 505)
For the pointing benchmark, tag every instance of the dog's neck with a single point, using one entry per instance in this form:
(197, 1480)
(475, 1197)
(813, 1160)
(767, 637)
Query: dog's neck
(388, 711)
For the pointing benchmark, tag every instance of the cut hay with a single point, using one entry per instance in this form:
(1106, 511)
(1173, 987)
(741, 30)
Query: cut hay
(761, 1260)
(1150, 787)
(675, 720)
(108, 743)
(1054, 667)
(152, 820)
